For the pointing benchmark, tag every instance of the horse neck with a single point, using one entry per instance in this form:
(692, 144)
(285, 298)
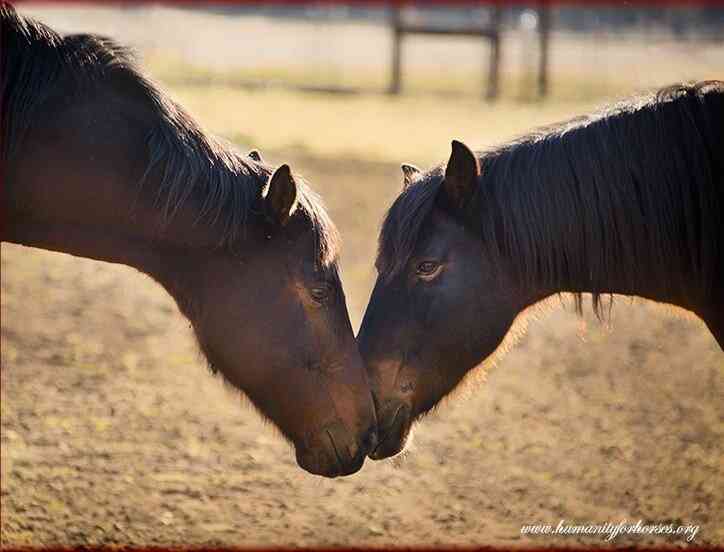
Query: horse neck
(74, 187)
(626, 216)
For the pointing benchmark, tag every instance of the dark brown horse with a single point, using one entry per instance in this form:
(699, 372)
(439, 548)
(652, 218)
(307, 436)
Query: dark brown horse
(99, 163)
(629, 201)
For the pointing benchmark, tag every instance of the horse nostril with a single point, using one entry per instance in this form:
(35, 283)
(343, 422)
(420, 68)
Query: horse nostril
(375, 401)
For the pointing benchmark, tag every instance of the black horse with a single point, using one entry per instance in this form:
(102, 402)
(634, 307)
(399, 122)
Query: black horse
(629, 200)
(100, 163)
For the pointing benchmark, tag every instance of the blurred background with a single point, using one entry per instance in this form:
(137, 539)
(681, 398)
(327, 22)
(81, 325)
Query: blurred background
(112, 429)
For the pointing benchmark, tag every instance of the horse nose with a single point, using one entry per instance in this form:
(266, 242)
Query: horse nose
(334, 451)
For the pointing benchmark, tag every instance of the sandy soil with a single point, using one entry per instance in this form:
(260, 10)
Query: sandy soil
(113, 431)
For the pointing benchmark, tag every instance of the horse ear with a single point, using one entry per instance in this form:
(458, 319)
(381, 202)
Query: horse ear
(461, 175)
(410, 173)
(281, 195)
(255, 155)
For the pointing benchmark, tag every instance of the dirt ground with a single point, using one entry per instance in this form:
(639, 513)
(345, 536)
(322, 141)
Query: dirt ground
(113, 432)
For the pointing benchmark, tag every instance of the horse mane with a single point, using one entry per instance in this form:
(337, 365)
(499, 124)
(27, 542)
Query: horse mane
(630, 187)
(194, 167)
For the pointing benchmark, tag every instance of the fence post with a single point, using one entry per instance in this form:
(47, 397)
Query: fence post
(544, 26)
(396, 75)
(494, 60)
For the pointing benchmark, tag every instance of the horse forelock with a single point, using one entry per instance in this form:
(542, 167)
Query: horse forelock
(404, 222)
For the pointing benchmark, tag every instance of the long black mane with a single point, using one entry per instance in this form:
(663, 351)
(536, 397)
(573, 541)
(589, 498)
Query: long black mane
(194, 166)
(636, 185)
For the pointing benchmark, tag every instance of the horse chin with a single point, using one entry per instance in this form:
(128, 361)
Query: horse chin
(389, 448)
(395, 434)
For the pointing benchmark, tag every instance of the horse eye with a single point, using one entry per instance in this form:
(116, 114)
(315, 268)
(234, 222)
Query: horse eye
(321, 292)
(427, 268)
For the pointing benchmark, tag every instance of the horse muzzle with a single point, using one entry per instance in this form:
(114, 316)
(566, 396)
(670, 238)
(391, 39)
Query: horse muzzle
(334, 452)
(394, 420)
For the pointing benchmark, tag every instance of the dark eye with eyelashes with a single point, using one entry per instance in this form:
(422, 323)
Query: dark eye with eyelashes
(427, 270)
(322, 292)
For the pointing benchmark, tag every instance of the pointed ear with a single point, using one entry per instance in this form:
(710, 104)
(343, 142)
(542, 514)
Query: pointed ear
(281, 195)
(255, 155)
(410, 174)
(461, 175)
